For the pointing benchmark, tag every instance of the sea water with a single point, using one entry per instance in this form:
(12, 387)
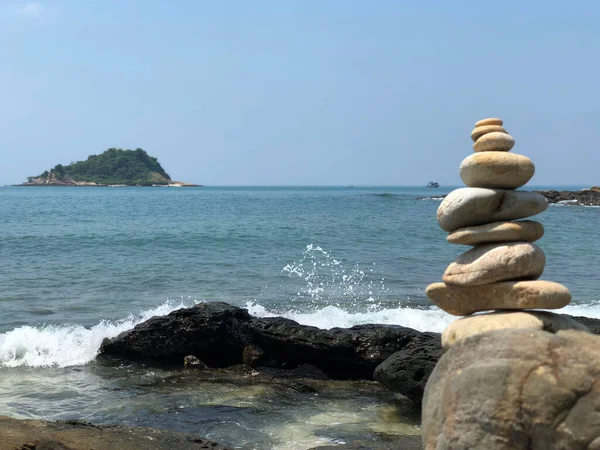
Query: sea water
(78, 265)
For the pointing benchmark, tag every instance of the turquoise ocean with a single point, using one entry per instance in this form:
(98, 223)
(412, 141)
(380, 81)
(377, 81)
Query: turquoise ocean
(78, 265)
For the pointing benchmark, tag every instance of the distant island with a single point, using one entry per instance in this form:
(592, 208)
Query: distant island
(114, 167)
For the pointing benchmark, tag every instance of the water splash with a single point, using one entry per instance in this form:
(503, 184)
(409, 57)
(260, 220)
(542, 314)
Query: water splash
(325, 279)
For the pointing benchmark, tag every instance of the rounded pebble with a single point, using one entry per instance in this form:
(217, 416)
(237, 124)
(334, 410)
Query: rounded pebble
(524, 230)
(509, 295)
(494, 142)
(465, 207)
(480, 131)
(488, 263)
(489, 121)
(496, 170)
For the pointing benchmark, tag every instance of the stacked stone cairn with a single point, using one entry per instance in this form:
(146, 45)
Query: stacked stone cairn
(500, 273)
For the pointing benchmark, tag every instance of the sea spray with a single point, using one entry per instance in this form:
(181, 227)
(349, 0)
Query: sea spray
(324, 279)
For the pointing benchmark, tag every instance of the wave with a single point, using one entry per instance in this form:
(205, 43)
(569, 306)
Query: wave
(591, 310)
(430, 319)
(66, 345)
(75, 345)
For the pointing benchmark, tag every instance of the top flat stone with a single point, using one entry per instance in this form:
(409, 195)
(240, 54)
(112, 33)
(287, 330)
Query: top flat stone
(480, 131)
(466, 207)
(489, 121)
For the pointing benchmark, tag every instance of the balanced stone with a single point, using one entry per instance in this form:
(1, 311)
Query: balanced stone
(494, 142)
(480, 131)
(489, 121)
(484, 323)
(465, 207)
(465, 300)
(489, 263)
(496, 170)
(525, 230)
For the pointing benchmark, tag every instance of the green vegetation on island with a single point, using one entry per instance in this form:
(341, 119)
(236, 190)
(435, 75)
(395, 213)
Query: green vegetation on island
(113, 167)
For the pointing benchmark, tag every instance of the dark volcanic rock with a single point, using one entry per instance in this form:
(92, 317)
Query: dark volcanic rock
(342, 353)
(585, 197)
(74, 435)
(592, 324)
(212, 332)
(408, 370)
(221, 335)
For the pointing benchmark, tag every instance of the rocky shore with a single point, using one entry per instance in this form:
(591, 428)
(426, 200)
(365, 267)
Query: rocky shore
(584, 197)
(221, 341)
(219, 335)
(75, 435)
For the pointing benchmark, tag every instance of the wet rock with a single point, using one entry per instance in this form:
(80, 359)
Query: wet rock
(397, 443)
(212, 332)
(517, 390)
(408, 370)
(221, 335)
(193, 362)
(342, 353)
(252, 355)
(74, 435)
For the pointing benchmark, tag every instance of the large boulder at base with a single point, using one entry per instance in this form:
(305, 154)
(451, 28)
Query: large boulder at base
(515, 389)
(74, 435)
(342, 353)
(407, 371)
(210, 331)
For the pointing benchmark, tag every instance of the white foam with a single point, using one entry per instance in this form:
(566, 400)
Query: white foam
(66, 345)
(429, 319)
(591, 310)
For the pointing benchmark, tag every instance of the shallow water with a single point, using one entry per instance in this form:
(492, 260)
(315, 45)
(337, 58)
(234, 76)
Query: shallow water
(81, 264)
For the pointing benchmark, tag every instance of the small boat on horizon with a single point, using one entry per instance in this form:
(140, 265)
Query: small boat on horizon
(433, 184)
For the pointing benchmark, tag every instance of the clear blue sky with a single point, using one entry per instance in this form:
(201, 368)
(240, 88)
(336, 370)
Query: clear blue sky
(299, 92)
